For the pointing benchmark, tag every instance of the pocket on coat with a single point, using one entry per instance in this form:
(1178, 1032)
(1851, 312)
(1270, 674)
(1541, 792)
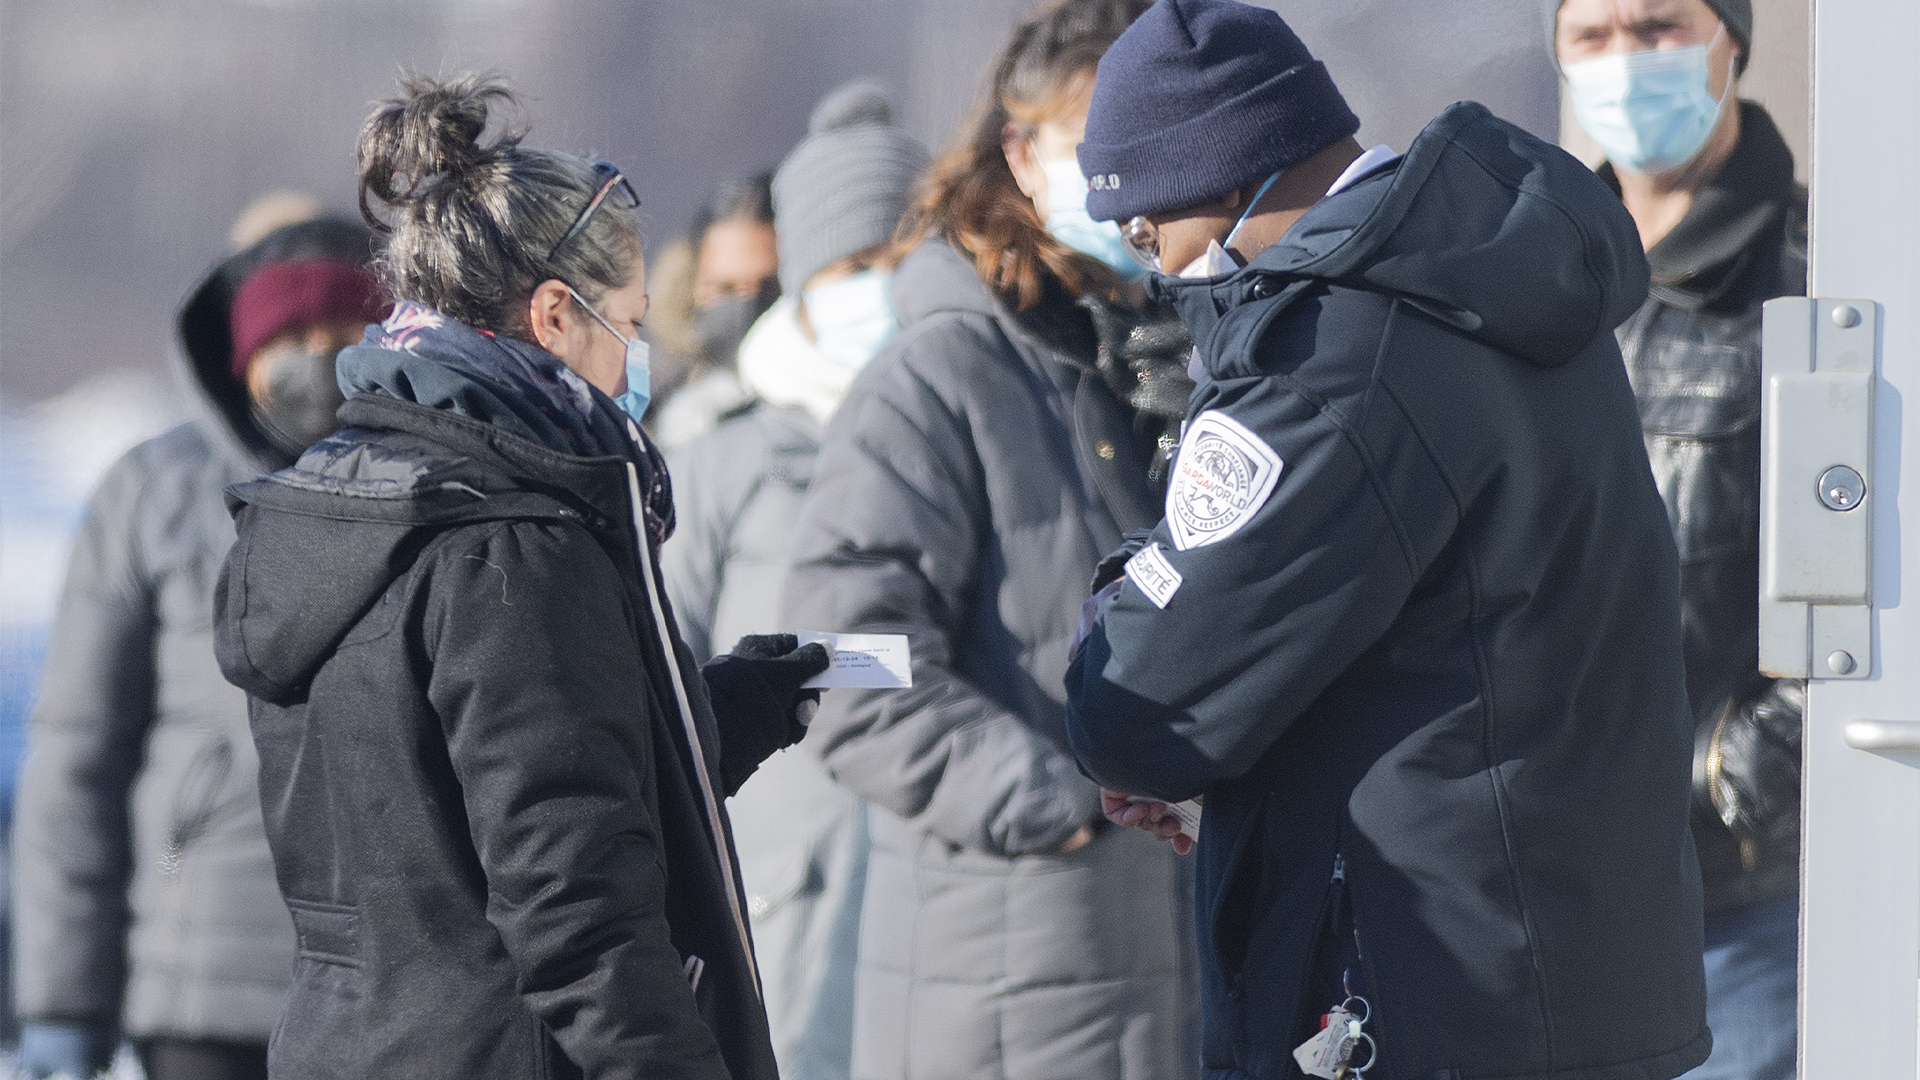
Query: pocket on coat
(774, 884)
(327, 933)
(1237, 914)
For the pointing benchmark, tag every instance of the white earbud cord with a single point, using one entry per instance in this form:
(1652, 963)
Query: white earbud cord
(686, 716)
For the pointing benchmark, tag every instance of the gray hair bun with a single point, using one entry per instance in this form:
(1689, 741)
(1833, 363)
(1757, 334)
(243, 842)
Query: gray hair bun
(843, 190)
(430, 137)
(472, 222)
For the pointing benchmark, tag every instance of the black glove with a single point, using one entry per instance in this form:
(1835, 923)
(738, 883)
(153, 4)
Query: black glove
(758, 702)
(1746, 793)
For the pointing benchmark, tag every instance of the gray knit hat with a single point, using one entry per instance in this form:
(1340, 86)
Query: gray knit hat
(1736, 15)
(844, 188)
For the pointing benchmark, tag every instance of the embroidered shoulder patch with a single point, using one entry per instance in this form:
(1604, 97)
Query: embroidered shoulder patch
(1222, 477)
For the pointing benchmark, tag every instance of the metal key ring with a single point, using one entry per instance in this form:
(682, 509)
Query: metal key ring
(1373, 1052)
(1364, 1004)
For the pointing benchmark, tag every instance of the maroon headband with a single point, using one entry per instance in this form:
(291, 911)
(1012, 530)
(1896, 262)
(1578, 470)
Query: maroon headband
(285, 295)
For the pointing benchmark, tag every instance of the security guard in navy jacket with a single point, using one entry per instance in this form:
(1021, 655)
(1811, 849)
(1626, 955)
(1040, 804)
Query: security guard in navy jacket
(1410, 625)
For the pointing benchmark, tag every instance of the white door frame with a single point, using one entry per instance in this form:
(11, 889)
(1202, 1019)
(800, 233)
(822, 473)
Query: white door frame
(1860, 868)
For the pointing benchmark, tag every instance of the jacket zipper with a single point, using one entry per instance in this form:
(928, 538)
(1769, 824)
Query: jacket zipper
(711, 803)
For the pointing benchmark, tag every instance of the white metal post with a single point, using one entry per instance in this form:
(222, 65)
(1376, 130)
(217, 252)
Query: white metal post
(1860, 898)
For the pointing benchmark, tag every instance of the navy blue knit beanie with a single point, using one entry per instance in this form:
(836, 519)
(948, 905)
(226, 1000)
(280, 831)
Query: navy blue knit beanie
(1198, 98)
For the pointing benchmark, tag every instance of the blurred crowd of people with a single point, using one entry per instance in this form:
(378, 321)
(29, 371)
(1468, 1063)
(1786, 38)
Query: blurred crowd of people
(1416, 489)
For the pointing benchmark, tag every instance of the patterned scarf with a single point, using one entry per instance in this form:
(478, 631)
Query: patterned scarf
(511, 384)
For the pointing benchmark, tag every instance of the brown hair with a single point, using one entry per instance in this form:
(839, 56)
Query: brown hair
(970, 198)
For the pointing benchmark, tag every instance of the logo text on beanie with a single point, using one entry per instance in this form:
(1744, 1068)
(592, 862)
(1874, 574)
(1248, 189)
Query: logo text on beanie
(1106, 182)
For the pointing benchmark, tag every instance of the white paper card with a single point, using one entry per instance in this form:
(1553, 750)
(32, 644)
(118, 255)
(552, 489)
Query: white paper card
(1150, 571)
(1187, 813)
(862, 661)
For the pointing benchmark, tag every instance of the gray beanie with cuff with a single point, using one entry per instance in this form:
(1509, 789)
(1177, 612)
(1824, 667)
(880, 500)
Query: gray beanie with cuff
(844, 188)
(1735, 15)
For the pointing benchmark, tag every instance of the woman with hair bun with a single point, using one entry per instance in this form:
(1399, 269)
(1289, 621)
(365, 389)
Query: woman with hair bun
(492, 773)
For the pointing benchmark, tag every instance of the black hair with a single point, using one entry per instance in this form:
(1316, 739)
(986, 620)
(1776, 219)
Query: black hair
(747, 198)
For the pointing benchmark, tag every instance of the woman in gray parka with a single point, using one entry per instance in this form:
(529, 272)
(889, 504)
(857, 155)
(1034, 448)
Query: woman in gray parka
(977, 471)
(144, 894)
(802, 841)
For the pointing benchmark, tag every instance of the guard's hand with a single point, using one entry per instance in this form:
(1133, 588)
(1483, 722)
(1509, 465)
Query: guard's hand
(757, 699)
(1151, 815)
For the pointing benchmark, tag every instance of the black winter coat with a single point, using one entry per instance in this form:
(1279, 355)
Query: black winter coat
(1430, 685)
(483, 809)
(1693, 354)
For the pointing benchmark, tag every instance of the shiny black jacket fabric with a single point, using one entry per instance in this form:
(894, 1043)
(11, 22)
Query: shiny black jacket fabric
(482, 804)
(1693, 354)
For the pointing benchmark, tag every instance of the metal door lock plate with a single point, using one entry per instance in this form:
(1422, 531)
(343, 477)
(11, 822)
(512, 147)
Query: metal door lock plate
(1818, 362)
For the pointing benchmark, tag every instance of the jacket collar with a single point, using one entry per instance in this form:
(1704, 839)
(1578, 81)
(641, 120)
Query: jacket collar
(1703, 259)
(600, 483)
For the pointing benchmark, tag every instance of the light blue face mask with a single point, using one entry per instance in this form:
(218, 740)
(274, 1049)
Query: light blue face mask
(1651, 111)
(1069, 222)
(851, 318)
(639, 365)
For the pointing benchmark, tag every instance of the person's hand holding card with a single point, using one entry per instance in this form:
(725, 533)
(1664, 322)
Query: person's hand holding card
(863, 661)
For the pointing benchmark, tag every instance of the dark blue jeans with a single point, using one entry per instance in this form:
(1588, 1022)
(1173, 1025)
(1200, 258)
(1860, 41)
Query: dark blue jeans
(1752, 963)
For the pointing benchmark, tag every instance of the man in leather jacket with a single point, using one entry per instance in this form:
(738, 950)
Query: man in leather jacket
(1724, 225)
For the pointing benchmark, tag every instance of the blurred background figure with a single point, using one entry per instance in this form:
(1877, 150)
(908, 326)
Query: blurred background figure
(269, 213)
(670, 325)
(738, 491)
(145, 900)
(725, 278)
(1709, 180)
(973, 477)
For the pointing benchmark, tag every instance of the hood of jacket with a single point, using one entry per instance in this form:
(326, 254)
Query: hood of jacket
(934, 278)
(320, 542)
(203, 359)
(1493, 231)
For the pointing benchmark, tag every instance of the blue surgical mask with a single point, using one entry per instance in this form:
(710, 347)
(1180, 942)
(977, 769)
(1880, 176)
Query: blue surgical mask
(1651, 111)
(851, 318)
(1069, 222)
(639, 365)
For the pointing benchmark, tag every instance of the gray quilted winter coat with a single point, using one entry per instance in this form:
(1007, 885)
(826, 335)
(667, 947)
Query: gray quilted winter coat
(144, 890)
(973, 477)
